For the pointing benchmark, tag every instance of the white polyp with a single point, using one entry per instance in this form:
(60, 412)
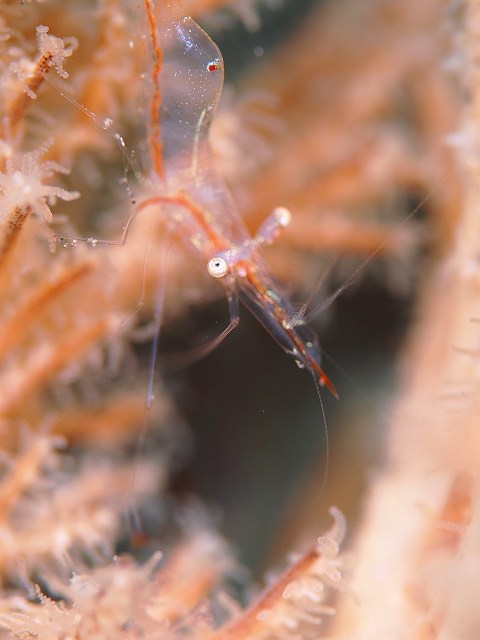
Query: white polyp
(291, 590)
(58, 48)
(283, 215)
(217, 267)
(335, 575)
(264, 615)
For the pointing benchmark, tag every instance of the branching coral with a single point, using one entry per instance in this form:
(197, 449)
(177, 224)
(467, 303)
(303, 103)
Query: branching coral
(60, 515)
(348, 129)
(50, 513)
(105, 601)
(417, 541)
(23, 187)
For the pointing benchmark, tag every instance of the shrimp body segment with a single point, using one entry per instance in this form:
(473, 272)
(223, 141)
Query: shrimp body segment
(275, 313)
(197, 203)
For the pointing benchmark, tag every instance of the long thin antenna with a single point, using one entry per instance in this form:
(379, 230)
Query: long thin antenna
(133, 519)
(325, 430)
(105, 123)
(322, 306)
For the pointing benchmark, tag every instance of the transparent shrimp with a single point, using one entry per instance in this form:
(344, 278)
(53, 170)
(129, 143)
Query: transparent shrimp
(186, 85)
(187, 82)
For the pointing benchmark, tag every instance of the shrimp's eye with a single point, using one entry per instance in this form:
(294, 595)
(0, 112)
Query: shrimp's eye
(217, 267)
(215, 65)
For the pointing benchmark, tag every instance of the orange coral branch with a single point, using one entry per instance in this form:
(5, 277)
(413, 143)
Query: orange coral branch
(11, 229)
(47, 293)
(46, 361)
(19, 103)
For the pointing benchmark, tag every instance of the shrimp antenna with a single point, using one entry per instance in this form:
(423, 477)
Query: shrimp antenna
(300, 315)
(106, 125)
(325, 431)
(353, 276)
(133, 518)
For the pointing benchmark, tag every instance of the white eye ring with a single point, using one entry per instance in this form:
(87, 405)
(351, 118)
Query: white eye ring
(217, 267)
